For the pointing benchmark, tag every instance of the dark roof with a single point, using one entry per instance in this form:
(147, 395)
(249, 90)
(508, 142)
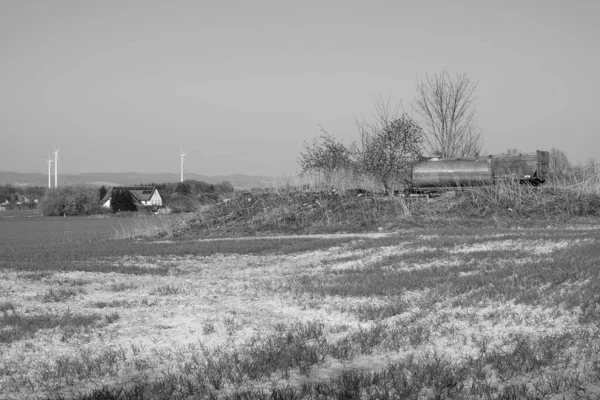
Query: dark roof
(141, 193)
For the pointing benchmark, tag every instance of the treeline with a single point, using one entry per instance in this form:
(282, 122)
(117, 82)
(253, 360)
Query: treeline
(81, 200)
(70, 200)
(10, 192)
(192, 187)
(187, 195)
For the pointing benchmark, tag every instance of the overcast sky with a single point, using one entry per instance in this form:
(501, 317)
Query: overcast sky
(120, 85)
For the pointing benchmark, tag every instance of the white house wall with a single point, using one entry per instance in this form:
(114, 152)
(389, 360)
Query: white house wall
(155, 200)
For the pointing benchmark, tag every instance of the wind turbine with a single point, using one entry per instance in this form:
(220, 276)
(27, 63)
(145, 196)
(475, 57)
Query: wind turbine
(182, 158)
(56, 167)
(50, 161)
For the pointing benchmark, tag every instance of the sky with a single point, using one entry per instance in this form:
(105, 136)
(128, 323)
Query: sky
(121, 86)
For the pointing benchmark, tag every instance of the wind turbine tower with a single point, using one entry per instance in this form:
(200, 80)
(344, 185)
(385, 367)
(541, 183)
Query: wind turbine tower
(56, 167)
(49, 171)
(182, 158)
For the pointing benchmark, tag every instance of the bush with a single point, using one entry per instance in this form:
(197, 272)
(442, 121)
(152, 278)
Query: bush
(388, 150)
(183, 188)
(325, 156)
(208, 198)
(70, 200)
(180, 203)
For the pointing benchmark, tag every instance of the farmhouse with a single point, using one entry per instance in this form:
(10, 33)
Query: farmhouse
(22, 199)
(147, 196)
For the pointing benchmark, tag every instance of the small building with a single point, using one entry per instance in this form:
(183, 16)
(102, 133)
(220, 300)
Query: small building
(146, 196)
(22, 199)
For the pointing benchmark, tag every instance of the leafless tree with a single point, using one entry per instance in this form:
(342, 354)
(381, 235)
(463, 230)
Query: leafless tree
(560, 168)
(447, 106)
(390, 146)
(510, 152)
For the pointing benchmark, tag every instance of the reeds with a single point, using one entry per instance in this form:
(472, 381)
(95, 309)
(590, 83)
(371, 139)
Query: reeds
(553, 199)
(341, 181)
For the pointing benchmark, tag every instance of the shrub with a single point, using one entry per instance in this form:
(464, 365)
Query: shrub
(208, 198)
(181, 203)
(390, 148)
(183, 188)
(325, 156)
(70, 200)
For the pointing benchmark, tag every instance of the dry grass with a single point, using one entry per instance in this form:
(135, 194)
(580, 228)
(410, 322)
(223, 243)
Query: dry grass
(340, 181)
(293, 211)
(151, 226)
(546, 201)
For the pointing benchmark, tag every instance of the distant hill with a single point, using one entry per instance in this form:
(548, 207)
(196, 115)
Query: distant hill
(98, 179)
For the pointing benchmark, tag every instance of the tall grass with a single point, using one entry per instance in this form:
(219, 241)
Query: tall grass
(149, 226)
(341, 181)
(554, 199)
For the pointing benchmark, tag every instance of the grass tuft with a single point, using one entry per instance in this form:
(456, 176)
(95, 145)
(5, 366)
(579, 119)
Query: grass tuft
(59, 295)
(166, 290)
(121, 287)
(6, 306)
(112, 317)
(112, 304)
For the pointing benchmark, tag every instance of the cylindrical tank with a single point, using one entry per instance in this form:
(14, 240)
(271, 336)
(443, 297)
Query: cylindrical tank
(452, 172)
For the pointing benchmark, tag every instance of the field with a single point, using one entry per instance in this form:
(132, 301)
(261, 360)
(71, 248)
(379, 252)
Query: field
(474, 312)
(28, 226)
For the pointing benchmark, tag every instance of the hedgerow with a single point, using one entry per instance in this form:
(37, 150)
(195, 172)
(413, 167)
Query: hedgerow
(70, 200)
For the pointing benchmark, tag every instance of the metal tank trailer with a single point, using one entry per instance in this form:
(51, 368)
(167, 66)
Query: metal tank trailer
(435, 174)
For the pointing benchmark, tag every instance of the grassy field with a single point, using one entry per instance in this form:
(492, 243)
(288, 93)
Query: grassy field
(28, 226)
(425, 313)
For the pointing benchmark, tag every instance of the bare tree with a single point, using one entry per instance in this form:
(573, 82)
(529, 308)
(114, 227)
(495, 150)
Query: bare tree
(446, 104)
(510, 152)
(390, 146)
(560, 168)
